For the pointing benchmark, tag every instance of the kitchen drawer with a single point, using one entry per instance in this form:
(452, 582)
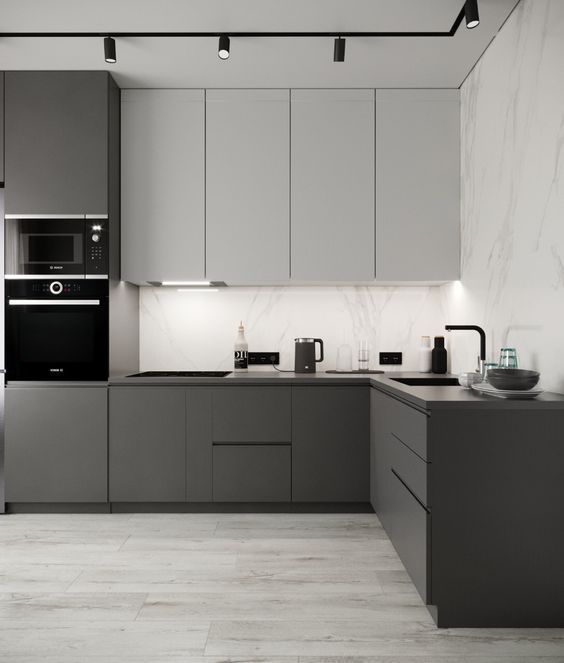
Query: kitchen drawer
(252, 473)
(409, 425)
(409, 531)
(252, 415)
(411, 468)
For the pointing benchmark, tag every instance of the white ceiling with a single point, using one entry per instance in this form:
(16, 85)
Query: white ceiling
(298, 62)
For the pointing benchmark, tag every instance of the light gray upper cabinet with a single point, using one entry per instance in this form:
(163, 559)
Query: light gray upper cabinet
(332, 185)
(56, 142)
(163, 185)
(417, 185)
(247, 185)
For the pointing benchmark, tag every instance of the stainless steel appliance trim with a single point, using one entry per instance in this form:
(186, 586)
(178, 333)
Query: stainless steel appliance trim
(44, 277)
(94, 276)
(45, 216)
(96, 216)
(54, 302)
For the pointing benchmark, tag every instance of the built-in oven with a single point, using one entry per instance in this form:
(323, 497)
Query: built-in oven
(57, 329)
(51, 247)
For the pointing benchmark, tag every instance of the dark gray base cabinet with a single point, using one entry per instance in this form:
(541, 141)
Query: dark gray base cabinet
(472, 501)
(330, 444)
(399, 483)
(147, 444)
(56, 444)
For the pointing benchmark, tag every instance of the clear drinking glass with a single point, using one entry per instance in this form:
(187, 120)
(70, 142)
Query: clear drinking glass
(508, 358)
(363, 355)
(344, 359)
(487, 367)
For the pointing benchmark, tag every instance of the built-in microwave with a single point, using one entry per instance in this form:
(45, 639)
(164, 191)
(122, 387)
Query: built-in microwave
(54, 246)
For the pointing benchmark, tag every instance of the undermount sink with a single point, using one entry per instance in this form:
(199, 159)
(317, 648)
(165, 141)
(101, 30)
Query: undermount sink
(428, 382)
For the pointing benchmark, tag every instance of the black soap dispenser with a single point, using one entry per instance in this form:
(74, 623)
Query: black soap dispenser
(439, 356)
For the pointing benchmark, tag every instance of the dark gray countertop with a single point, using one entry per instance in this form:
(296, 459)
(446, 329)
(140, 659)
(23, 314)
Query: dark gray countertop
(427, 398)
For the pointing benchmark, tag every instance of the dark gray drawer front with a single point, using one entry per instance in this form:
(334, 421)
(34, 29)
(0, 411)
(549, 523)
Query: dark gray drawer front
(409, 425)
(252, 415)
(408, 529)
(410, 467)
(252, 473)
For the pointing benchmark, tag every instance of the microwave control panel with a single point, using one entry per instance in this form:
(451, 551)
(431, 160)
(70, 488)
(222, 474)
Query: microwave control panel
(96, 247)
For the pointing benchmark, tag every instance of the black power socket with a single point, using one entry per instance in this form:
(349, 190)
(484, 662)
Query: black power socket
(264, 358)
(390, 358)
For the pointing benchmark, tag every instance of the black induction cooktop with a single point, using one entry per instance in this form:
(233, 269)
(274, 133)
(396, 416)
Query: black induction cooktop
(180, 374)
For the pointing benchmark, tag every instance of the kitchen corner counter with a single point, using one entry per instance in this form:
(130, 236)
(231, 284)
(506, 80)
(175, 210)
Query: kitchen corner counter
(423, 397)
(454, 397)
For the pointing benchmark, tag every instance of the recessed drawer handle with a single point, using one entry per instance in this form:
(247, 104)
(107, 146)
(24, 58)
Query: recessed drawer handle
(407, 445)
(410, 491)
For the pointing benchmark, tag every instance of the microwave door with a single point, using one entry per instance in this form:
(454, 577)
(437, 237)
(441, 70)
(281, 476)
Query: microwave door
(48, 247)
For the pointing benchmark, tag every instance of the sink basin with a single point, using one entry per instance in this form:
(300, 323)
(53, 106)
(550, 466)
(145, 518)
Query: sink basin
(428, 382)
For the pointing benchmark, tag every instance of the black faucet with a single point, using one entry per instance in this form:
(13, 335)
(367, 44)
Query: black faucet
(482, 361)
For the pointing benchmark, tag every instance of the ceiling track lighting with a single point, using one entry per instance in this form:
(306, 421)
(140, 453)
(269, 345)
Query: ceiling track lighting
(223, 47)
(339, 50)
(471, 14)
(110, 50)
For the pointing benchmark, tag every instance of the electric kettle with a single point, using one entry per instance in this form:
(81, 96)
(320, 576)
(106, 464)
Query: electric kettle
(304, 360)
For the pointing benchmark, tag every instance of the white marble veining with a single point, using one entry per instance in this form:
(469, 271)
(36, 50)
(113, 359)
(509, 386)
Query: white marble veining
(512, 121)
(196, 330)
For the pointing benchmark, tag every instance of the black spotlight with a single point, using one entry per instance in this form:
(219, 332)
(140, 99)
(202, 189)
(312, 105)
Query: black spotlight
(223, 49)
(339, 50)
(110, 50)
(471, 13)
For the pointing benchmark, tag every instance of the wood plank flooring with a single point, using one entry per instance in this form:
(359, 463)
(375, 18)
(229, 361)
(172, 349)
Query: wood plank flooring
(226, 588)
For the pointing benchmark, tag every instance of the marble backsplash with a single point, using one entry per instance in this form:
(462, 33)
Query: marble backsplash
(512, 280)
(196, 330)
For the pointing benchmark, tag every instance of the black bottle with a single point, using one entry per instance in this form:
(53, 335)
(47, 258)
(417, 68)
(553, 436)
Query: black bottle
(439, 356)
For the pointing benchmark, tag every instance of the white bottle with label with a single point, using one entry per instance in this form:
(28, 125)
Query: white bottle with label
(241, 348)
(425, 352)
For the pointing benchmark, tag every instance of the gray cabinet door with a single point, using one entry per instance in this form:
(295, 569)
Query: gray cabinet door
(147, 444)
(417, 185)
(330, 444)
(56, 132)
(252, 473)
(247, 185)
(1, 126)
(252, 415)
(332, 184)
(162, 185)
(56, 444)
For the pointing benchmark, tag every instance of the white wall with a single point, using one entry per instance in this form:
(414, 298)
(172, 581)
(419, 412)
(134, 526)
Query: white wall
(196, 330)
(513, 196)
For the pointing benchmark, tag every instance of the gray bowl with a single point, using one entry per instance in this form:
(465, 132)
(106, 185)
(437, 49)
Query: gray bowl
(512, 378)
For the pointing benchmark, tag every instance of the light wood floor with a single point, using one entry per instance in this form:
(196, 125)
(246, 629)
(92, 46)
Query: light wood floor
(225, 588)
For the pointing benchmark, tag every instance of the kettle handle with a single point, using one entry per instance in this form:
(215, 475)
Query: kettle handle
(318, 340)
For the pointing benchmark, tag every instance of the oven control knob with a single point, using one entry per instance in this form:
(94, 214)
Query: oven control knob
(95, 237)
(56, 288)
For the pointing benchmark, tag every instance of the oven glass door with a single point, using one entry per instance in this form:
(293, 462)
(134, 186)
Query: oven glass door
(57, 339)
(52, 247)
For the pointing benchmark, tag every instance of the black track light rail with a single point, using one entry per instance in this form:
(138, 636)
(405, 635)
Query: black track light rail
(110, 33)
